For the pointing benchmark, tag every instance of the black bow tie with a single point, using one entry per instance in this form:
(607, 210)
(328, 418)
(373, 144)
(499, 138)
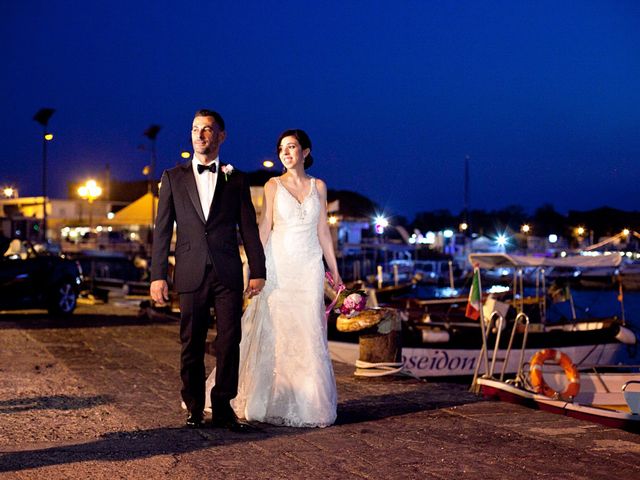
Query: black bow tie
(204, 168)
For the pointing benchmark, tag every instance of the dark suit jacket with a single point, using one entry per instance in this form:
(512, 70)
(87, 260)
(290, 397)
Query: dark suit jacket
(199, 242)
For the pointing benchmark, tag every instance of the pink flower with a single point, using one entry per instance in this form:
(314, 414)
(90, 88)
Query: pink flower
(352, 301)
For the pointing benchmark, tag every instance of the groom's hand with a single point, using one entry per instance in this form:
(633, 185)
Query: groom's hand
(159, 292)
(255, 287)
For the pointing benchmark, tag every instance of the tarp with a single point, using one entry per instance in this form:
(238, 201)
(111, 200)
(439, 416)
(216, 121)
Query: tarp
(496, 260)
(136, 213)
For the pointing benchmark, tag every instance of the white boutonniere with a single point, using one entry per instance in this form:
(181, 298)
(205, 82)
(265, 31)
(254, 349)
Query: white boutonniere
(227, 170)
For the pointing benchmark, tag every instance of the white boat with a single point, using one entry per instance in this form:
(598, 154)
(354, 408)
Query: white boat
(611, 399)
(451, 346)
(589, 343)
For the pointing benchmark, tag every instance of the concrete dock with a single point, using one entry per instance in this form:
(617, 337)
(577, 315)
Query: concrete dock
(97, 396)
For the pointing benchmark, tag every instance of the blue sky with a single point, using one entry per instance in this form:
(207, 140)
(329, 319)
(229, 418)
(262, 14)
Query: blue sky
(543, 95)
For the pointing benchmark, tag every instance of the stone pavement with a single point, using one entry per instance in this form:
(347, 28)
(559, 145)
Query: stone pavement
(97, 396)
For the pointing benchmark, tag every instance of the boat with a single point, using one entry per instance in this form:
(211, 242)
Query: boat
(439, 272)
(626, 274)
(630, 276)
(605, 394)
(439, 341)
(608, 398)
(385, 291)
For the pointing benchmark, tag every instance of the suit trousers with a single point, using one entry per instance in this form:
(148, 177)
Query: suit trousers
(195, 318)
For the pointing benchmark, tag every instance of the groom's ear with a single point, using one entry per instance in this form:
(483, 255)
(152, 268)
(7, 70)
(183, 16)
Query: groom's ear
(222, 136)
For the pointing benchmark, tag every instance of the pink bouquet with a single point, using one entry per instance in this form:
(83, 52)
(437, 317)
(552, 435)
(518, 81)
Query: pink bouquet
(348, 302)
(353, 302)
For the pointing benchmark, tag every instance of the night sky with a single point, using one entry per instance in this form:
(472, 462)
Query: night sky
(543, 95)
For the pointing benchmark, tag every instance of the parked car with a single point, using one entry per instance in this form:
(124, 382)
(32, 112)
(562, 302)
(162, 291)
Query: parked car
(32, 277)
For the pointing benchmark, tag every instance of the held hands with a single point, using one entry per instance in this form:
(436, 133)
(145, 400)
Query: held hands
(255, 287)
(159, 291)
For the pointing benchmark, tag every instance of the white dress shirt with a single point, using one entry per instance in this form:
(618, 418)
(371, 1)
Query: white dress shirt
(206, 183)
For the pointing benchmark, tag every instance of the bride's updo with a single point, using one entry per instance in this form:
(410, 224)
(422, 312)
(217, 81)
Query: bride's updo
(303, 140)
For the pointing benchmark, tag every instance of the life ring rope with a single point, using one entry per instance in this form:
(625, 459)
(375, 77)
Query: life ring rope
(562, 359)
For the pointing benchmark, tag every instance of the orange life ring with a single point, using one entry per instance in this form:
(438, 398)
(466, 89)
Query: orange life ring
(570, 370)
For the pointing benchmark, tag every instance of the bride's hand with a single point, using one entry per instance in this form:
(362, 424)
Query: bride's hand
(255, 287)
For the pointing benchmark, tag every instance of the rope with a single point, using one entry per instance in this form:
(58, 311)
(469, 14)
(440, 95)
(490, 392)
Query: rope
(367, 369)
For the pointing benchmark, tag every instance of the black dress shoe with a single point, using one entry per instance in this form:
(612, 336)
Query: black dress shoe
(195, 420)
(231, 422)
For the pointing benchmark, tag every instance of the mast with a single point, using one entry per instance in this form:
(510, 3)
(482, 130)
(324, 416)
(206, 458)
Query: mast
(465, 213)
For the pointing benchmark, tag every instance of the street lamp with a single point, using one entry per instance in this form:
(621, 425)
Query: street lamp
(10, 192)
(267, 164)
(502, 240)
(380, 223)
(42, 116)
(90, 191)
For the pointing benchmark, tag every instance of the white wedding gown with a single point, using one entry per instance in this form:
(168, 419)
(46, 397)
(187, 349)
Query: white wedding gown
(286, 376)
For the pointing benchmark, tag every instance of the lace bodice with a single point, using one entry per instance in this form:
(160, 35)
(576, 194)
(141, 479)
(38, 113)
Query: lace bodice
(288, 211)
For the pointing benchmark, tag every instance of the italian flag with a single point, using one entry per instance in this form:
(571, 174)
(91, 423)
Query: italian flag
(474, 304)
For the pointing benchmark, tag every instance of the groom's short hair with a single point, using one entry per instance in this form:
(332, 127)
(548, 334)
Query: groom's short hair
(203, 112)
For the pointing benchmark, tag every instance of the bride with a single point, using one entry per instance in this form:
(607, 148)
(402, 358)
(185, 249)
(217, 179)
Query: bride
(286, 377)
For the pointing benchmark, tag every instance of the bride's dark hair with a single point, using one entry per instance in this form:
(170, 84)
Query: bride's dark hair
(303, 140)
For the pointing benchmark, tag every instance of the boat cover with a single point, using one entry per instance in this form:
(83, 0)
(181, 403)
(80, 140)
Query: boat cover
(504, 260)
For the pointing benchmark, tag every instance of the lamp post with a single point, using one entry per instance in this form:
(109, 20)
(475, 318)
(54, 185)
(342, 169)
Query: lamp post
(90, 191)
(152, 133)
(42, 116)
(526, 230)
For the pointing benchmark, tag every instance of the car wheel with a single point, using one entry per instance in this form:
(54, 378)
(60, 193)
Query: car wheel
(63, 299)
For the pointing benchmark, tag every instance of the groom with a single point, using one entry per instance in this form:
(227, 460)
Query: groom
(207, 200)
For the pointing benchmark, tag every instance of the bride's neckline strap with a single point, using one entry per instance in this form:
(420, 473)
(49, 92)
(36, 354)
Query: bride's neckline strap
(311, 188)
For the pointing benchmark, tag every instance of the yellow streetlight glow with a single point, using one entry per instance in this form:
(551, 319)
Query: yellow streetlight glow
(626, 232)
(333, 220)
(581, 231)
(8, 192)
(267, 164)
(90, 190)
(464, 226)
(48, 137)
(185, 154)
(526, 228)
